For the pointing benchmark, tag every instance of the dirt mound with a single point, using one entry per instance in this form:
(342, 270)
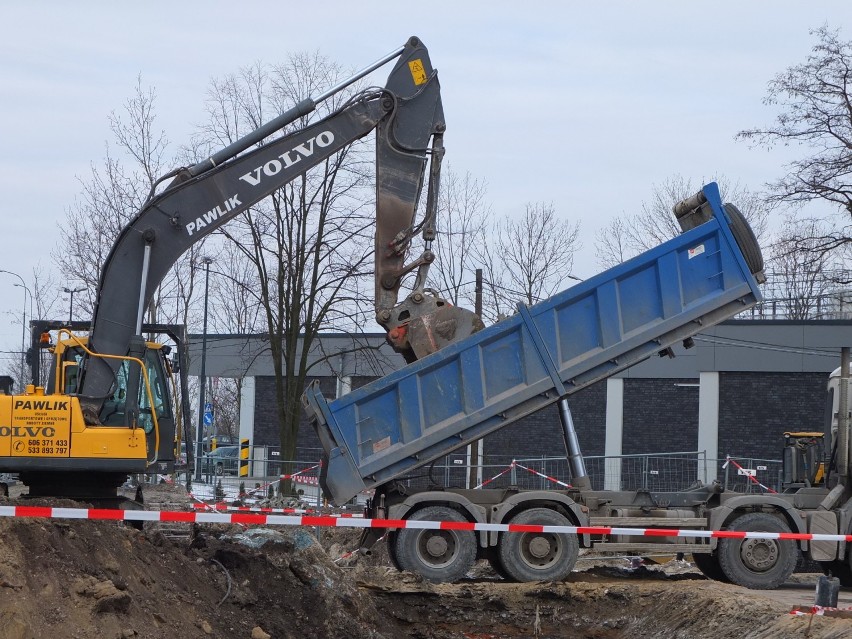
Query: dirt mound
(95, 579)
(104, 580)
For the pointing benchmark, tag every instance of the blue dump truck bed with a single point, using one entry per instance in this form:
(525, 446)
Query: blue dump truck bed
(522, 364)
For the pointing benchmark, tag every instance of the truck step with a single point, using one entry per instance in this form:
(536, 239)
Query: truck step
(649, 522)
(638, 548)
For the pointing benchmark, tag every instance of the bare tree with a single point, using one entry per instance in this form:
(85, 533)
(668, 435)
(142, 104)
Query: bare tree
(41, 301)
(498, 301)
(462, 212)
(628, 235)
(528, 259)
(613, 243)
(814, 112)
(309, 243)
(110, 197)
(235, 308)
(225, 397)
(800, 279)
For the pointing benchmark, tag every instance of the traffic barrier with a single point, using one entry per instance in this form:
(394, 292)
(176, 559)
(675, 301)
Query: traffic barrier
(346, 522)
(244, 458)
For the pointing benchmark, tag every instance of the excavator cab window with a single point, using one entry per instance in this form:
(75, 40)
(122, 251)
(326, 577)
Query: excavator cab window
(158, 379)
(112, 413)
(71, 369)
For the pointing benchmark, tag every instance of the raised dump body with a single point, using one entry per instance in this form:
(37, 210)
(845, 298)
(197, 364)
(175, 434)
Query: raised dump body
(552, 349)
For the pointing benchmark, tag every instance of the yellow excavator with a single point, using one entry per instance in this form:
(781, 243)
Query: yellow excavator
(107, 410)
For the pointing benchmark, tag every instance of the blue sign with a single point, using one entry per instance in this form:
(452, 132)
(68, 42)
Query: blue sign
(208, 414)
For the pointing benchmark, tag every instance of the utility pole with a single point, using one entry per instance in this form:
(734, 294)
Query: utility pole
(202, 382)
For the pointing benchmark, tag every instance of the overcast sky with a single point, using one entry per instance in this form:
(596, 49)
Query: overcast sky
(586, 105)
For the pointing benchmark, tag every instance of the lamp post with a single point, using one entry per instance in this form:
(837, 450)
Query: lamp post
(71, 309)
(27, 291)
(24, 323)
(207, 261)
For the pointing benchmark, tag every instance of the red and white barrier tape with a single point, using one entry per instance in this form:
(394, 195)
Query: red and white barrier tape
(752, 478)
(198, 503)
(515, 464)
(500, 474)
(344, 522)
(818, 610)
(548, 477)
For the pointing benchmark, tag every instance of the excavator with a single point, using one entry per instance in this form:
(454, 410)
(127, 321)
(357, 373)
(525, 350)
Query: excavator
(107, 410)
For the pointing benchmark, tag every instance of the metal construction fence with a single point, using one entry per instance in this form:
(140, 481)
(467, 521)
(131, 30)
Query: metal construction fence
(750, 475)
(656, 472)
(259, 477)
(256, 478)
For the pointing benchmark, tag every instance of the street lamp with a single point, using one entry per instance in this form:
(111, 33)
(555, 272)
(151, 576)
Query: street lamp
(24, 323)
(72, 291)
(207, 261)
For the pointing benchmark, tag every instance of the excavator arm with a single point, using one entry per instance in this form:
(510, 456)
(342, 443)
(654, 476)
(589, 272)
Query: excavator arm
(408, 118)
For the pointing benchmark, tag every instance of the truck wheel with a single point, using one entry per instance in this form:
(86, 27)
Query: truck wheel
(745, 238)
(391, 541)
(220, 470)
(436, 555)
(528, 556)
(708, 564)
(759, 564)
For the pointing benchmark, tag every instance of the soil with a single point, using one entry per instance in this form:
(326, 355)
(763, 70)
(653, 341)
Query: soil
(105, 580)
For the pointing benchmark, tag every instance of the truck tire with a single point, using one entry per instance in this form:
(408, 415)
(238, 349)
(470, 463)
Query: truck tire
(538, 556)
(745, 238)
(391, 541)
(436, 555)
(759, 564)
(708, 564)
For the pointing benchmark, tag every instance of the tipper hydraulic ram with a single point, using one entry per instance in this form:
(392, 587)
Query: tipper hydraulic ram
(545, 352)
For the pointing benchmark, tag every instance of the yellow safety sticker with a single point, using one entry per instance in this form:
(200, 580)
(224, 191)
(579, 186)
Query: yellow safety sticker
(418, 73)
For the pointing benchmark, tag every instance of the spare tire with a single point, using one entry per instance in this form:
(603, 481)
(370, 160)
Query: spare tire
(747, 241)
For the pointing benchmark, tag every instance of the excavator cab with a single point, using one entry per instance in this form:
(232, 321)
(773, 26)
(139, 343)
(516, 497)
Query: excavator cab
(155, 405)
(153, 413)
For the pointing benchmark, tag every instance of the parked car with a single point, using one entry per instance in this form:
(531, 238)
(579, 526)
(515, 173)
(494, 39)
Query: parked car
(225, 460)
(220, 440)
